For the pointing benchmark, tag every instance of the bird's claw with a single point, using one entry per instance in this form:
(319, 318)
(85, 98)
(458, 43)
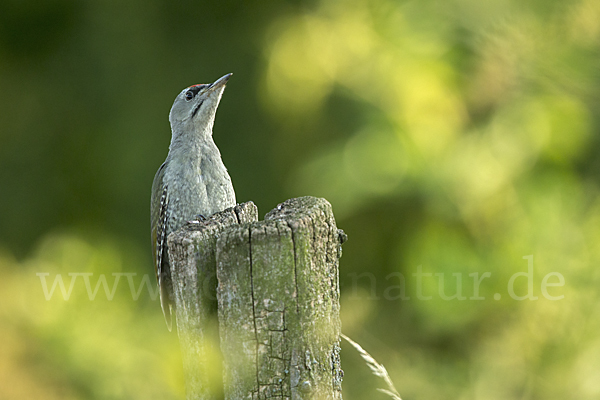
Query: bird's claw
(200, 217)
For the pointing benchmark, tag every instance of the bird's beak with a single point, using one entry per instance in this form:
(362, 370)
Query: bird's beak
(222, 81)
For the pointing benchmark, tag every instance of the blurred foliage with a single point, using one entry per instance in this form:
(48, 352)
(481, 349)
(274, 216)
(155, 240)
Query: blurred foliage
(454, 136)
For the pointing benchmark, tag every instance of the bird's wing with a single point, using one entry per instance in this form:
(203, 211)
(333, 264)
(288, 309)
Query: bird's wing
(158, 219)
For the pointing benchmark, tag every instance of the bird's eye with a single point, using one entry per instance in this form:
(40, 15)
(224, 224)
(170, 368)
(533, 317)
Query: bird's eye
(189, 95)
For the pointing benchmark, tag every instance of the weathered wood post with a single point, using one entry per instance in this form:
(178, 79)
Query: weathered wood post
(277, 301)
(192, 258)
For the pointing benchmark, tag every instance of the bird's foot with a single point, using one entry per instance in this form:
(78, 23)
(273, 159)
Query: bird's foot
(200, 217)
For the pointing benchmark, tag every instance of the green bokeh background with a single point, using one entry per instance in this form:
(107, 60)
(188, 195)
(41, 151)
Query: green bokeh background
(450, 136)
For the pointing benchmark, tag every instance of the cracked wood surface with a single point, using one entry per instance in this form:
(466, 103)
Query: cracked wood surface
(277, 300)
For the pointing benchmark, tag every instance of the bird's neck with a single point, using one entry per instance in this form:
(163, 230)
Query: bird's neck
(187, 142)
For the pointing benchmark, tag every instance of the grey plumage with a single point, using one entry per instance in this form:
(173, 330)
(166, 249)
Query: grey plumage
(193, 180)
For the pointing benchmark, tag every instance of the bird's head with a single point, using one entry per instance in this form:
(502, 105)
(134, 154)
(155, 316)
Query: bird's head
(195, 106)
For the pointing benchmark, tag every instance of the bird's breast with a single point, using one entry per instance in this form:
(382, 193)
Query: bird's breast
(197, 186)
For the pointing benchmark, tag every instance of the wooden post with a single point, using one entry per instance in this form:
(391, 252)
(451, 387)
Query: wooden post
(192, 259)
(277, 300)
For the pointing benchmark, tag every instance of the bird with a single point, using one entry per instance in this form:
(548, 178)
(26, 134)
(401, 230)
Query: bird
(192, 183)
